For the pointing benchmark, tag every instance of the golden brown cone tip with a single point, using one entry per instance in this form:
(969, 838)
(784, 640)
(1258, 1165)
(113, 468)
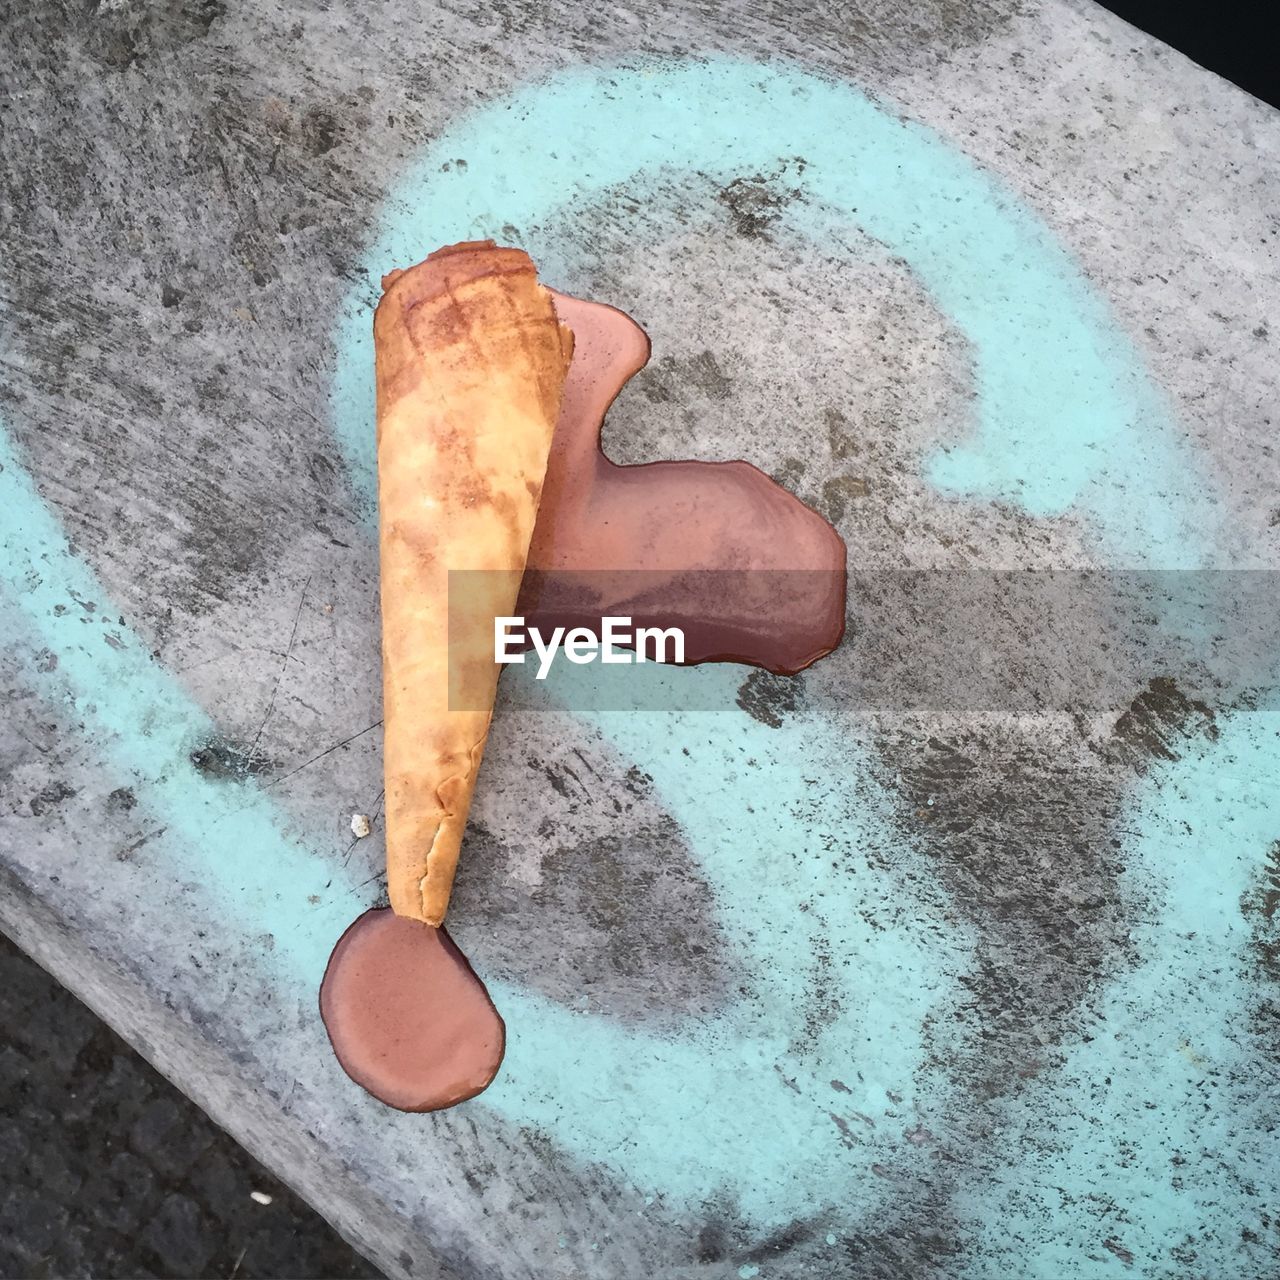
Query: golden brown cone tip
(471, 361)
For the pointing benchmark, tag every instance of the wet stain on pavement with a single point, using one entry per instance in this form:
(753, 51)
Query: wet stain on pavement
(769, 698)
(225, 761)
(1159, 724)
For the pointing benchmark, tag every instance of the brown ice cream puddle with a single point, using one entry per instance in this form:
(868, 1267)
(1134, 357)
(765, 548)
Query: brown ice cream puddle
(407, 1016)
(746, 570)
(717, 548)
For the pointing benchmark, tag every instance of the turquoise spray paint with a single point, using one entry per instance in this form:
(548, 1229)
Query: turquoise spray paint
(1098, 443)
(681, 1114)
(1064, 420)
(1062, 412)
(1157, 1132)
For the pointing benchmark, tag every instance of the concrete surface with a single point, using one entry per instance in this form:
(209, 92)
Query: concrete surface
(814, 984)
(108, 1170)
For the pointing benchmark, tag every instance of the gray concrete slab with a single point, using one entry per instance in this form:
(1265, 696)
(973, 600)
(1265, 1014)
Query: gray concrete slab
(857, 977)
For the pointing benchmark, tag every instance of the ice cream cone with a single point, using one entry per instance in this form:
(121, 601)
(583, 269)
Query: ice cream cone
(471, 363)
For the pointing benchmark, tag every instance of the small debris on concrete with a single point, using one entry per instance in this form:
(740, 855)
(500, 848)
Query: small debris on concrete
(259, 1197)
(360, 825)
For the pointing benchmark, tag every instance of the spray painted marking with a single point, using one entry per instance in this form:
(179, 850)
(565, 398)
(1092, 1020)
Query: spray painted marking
(682, 1115)
(144, 725)
(691, 1113)
(1106, 419)
(1157, 1132)
(1064, 419)
(1064, 416)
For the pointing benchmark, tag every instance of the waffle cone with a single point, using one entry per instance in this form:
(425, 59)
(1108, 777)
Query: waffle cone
(471, 363)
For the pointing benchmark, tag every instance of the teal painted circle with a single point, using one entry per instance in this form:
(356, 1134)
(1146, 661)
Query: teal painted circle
(1064, 419)
(1175, 1057)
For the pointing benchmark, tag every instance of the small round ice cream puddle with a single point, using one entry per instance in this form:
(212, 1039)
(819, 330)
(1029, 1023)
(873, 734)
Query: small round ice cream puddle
(407, 1016)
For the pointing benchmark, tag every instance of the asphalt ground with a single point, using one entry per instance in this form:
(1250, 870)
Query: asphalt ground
(107, 1170)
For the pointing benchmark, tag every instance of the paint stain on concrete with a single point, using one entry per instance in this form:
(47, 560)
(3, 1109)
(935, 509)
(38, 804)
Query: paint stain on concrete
(840, 437)
(711, 1243)
(1260, 906)
(1020, 837)
(781, 1242)
(839, 494)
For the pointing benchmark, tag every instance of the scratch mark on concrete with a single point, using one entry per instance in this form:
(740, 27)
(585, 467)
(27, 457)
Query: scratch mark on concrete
(275, 782)
(275, 689)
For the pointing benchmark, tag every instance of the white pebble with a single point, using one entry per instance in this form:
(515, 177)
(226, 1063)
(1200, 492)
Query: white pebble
(360, 825)
(259, 1197)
